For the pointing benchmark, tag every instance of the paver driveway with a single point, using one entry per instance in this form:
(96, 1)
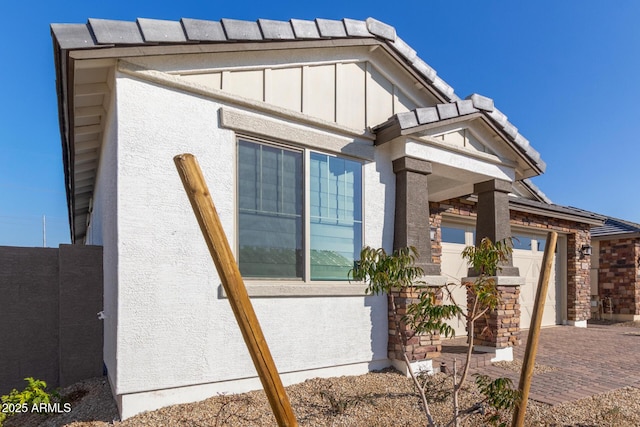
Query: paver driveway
(588, 361)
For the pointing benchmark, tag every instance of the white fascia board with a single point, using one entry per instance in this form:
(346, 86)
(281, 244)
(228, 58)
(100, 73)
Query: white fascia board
(458, 160)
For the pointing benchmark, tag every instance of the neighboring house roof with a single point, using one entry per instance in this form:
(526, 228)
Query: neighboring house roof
(102, 39)
(277, 256)
(557, 211)
(421, 119)
(615, 227)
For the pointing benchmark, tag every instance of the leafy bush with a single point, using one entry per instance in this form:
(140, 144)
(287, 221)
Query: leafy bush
(22, 401)
(383, 273)
(500, 397)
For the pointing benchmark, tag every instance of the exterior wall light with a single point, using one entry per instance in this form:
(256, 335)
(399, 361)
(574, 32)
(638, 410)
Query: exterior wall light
(432, 233)
(585, 250)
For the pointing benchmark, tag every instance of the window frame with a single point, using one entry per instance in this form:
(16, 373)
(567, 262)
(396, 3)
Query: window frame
(292, 286)
(469, 225)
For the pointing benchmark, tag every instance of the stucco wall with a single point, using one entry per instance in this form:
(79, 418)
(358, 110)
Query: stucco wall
(173, 328)
(103, 230)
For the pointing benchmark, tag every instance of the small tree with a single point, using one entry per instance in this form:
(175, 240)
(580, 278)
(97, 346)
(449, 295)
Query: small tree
(384, 273)
(486, 259)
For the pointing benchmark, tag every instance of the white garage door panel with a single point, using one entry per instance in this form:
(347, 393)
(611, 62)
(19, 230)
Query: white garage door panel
(454, 269)
(529, 263)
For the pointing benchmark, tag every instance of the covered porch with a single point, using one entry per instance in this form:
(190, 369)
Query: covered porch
(466, 151)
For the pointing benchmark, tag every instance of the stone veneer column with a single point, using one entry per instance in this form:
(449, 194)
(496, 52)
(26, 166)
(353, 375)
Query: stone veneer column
(412, 228)
(419, 348)
(499, 330)
(578, 278)
(619, 276)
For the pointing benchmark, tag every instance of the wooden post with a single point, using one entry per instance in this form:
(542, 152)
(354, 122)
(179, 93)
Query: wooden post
(526, 374)
(207, 216)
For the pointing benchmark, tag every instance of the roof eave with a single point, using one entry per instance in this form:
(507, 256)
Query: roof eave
(61, 60)
(554, 212)
(615, 236)
(537, 167)
(535, 191)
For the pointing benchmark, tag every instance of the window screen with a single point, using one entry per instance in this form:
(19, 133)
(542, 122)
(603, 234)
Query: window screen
(271, 200)
(270, 211)
(335, 217)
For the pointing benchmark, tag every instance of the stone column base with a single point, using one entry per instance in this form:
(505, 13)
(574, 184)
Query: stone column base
(417, 366)
(577, 323)
(433, 281)
(420, 349)
(500, 329)
(501, 354)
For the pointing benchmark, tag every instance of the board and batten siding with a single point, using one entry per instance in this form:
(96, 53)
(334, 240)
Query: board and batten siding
(353, 94)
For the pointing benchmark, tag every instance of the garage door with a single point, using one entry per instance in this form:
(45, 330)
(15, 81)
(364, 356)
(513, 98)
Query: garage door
(527, 256)
(454, 239)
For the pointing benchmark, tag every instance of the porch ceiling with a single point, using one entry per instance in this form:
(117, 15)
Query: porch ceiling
(447, 182)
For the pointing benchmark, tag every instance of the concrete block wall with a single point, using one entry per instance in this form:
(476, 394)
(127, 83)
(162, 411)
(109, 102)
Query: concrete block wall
(48, 315)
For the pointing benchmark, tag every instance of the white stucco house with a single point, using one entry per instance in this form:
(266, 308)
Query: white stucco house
(315, 137)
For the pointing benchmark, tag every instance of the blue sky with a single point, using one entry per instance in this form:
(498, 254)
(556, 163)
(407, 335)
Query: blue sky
(567, 74)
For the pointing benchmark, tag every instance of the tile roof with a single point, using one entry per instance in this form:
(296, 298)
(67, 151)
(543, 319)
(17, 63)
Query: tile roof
(536, 191)
(614, 226)
(472, 104)
(576, 213)
(104, 33)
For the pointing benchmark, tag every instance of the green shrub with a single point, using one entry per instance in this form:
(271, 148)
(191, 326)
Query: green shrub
(500, 397)
(22, 401)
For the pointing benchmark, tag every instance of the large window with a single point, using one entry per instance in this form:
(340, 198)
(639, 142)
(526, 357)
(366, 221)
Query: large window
(287, 232)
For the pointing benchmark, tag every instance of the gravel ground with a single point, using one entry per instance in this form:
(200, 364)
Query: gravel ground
(381, 399)
(516, 366)
(376, 399)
